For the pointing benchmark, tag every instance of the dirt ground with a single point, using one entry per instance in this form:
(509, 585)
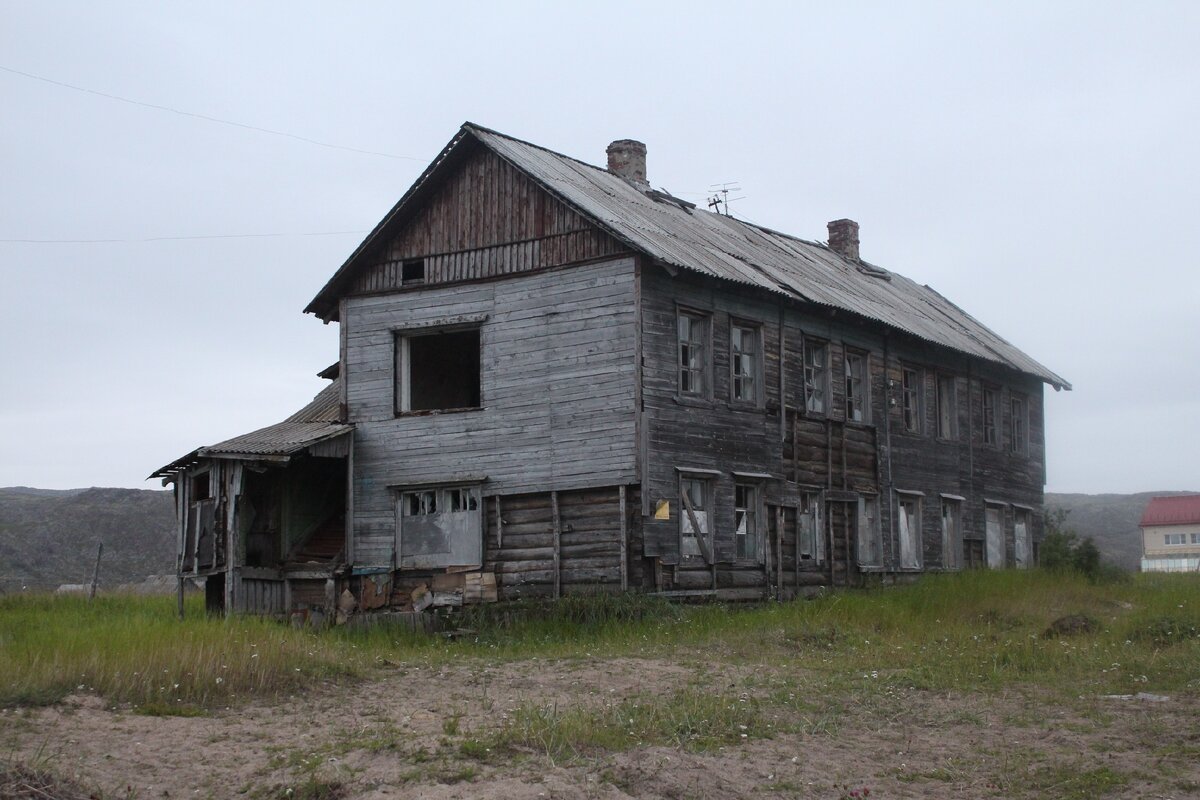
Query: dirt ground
(400, 736)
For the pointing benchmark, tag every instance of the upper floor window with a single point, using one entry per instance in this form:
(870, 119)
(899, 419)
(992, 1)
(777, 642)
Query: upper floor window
(693, 353)
(991, 402)
(437, 370)
(1174, 538)
(744, 363)
(816, 376)
(911, 400)
(856, 387)
(947, 408)
(1018, 442)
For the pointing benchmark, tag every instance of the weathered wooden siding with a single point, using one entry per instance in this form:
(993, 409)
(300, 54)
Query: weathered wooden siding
(557, 385)
(803, 452)
(486, 220)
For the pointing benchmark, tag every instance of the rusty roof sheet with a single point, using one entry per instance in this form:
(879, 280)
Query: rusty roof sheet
(318, 421)
(734, 250)
(1181, 510)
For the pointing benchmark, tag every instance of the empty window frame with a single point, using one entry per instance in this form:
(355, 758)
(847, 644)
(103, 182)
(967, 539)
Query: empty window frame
(201, 487)
(412, 271)
(908, 522)
(870, 534)
(947, 407)
(857, 387)
(816, 376)
(693, 353)
(1022, 538)
(440, 526)
(745, 363)
(910, 399)
(437, 370)
(746, 530)
(952, 544)
(990, 412)
(812, 532)
(1018, 443)
(695, 515)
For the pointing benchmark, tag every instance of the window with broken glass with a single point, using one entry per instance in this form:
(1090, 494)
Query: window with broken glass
(693, 354)
(744, 363)
(816, 376)
(437, 370)
(440, 526)
(856, 387)
(911, 400)
(745, 521)
(909, 523)
(694, 516)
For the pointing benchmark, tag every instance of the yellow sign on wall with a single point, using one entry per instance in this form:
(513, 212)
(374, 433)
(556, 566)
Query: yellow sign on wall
(663, 510)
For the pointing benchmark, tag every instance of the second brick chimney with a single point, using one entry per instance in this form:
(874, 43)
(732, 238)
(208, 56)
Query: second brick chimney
(627, 158)
(843, 238)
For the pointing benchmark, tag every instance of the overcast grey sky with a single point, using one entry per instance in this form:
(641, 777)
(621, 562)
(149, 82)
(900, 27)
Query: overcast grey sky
(1037, 163)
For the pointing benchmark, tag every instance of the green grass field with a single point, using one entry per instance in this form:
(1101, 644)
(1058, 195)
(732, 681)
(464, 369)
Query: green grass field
(974, 631)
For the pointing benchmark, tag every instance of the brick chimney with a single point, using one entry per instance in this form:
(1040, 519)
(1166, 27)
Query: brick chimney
(843, 238)
(627, 158)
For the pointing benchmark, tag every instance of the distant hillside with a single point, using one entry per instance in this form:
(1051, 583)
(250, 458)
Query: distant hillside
(1110, 519)
(49, 537)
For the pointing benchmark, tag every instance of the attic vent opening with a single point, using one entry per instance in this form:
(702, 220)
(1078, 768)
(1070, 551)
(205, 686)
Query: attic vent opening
(412, 271)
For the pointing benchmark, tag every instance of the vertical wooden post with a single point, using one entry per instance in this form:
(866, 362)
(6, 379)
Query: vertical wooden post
(779, 517)
(624, 541)
(796, 554)
(557, 545)
(96, 572)
(179, 593)
(499, 526)
(330, 601)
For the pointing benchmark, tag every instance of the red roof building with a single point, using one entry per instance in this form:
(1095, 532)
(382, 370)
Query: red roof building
(1171, 534)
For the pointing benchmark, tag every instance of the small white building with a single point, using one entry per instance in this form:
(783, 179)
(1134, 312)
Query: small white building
(1171, 534)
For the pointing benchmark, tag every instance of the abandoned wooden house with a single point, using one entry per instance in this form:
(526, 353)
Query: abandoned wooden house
(556, 379)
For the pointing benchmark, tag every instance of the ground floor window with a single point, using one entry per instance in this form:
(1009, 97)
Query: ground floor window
(951, 533)
(746, 532)
(1022, 542)
(870, 535)
(908, 521)
(812, 532)
(695, 526)
(439, 526)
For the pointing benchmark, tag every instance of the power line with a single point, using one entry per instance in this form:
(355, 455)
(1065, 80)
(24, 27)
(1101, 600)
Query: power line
(204, 117)
(180, 238)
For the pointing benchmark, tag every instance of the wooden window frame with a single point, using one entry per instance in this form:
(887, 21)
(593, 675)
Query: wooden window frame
(402, 364)
(952, 538)
(863, 383)
(755, 329)
(912, 400)
(812, 505)
(756, 535)
(704, 371)
(1018, 437)
(705, 542)
(869, 528)
(1022, 560)
(951, 381)
(993, 394)
(809, 344)
(915, 531)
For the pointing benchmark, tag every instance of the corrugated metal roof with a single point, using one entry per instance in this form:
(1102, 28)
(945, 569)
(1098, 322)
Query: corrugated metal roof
(1182, 510)
(730, 249)
(316, 422)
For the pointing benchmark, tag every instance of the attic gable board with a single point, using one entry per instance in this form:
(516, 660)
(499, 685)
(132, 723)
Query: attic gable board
(486, 219)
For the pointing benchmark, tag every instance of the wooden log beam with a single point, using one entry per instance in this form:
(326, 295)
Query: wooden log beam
(557, 521)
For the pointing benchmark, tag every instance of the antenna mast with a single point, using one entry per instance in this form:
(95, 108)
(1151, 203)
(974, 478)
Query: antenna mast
(720, 199)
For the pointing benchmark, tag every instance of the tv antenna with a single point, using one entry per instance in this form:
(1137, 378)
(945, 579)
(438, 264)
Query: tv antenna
(719, 200)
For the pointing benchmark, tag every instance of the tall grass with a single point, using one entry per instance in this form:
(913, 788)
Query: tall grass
(974, 630)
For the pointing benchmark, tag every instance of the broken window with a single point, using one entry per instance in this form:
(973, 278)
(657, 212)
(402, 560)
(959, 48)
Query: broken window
(693, 353)
(1022, 546)
(911, 400)
(909, 523)
(201, 487)
(744, 363)
(951, 533)
(870, 535)
(412, 271)
(745, 520)
(1018, 442)
(812, 539)
(440, 527)
(437, 371)
(947, 408)
(816, 376)
(856, 387)
(991, 402)
(694, 517)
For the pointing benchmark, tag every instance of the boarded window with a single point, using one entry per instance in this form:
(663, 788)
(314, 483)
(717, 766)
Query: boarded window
(991, 402)
(1022, 545)
(995, 536)
(816, 376)
(951, 533)
(909, 523)
(947, 408)
(911, 400)
(870, 535)
(437, 371)
(440, 527)
(745, 521)
(693, 353)
(812, 539)
(856, 387)
(744, 363)
(1018, 441)
(694, 514)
